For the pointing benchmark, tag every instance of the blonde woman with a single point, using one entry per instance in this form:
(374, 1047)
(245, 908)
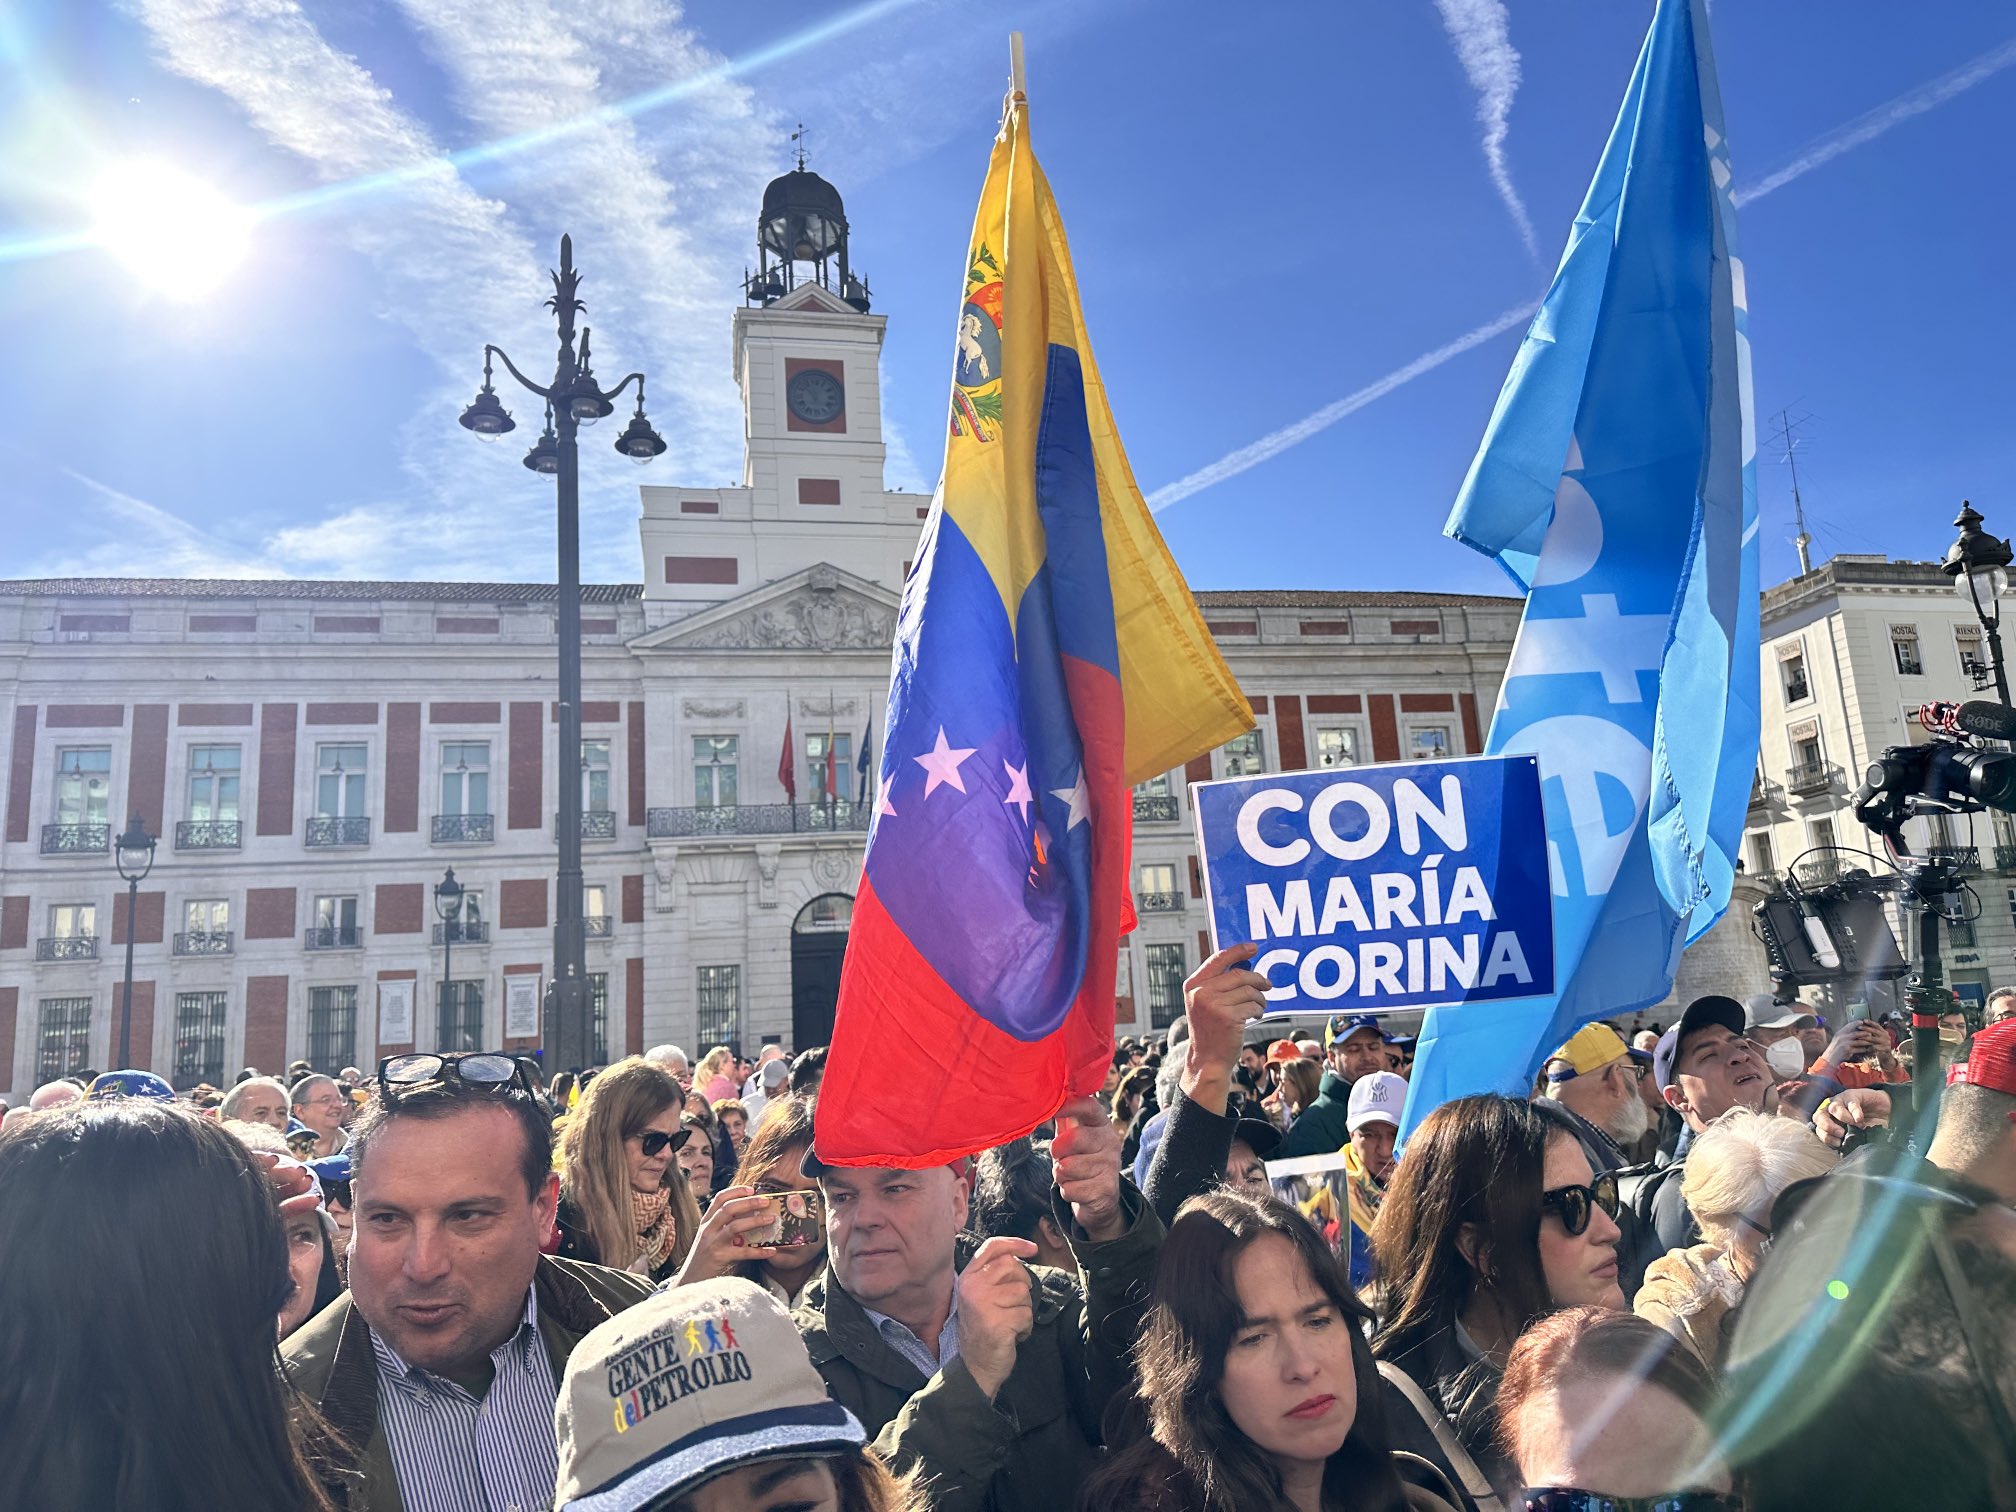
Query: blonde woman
(1738, 1167)
(715, 1075)
(624, 1201)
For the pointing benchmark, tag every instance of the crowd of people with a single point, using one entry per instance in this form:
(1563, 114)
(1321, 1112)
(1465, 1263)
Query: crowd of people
(1699, 1268)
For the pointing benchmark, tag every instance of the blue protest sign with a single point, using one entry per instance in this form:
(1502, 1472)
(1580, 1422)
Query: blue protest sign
(1393, 886)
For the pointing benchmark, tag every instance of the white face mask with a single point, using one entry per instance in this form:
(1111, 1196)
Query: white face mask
(1787, 1058)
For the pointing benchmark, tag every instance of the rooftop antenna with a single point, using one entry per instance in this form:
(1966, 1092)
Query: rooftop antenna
(798, 136)
(1788, 444)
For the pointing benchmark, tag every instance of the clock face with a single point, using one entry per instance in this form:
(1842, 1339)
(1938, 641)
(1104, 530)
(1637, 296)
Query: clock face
(815, 396)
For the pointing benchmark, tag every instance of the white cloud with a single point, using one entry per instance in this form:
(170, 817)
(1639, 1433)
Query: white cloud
(145, 540)
(1872, 124)
(1274, 443)
(1481, 31)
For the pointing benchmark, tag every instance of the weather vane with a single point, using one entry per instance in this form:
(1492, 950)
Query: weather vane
(798, 136)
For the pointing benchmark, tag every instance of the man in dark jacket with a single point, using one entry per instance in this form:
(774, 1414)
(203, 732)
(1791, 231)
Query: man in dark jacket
(985, 1375)
(1356, 1047)
(437, 1371)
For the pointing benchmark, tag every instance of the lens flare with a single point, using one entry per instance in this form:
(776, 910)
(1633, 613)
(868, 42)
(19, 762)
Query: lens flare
(175, 233)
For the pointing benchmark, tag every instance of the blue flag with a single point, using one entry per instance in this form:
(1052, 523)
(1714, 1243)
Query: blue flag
(1616, 484)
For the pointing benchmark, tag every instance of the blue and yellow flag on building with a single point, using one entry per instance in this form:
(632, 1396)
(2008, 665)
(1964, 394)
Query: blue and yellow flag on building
(1048, 656)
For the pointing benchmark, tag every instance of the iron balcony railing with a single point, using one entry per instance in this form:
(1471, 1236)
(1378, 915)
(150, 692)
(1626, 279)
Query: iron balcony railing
(76, 839)
(1818, 871)
(203, 942)
(758, 819)
(2005, 858)
(1811, 777)
(1965, 857)
(67, 948)
(596, 824)
(329, 829)
(209, 834)
(333, 937)
(600, 926)
(464, 829)
(1154, 808)
(470, 932)
(1160, 902)
(1763, 793)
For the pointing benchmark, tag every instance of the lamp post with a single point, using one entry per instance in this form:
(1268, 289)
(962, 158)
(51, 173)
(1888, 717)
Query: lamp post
(574, 399)
(134, 856)
(1978, 563)
(448, 909)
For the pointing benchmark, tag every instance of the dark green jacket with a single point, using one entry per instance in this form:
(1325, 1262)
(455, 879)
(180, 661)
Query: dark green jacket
(330, 1361)
(1320, 1130)
(1030, 1448)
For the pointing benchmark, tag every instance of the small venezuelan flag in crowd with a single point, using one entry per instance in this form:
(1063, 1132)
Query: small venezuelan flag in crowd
(1048, 656)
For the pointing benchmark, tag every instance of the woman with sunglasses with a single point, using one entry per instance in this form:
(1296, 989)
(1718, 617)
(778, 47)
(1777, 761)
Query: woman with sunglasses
(1492, 1221)
(623, 1198)
(1603, 1412)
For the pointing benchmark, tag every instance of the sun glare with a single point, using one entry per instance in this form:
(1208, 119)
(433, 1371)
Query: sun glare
(175, 233)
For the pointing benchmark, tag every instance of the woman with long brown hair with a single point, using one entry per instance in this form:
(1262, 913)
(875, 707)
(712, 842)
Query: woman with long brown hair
(771, 1175)
(623, 1198)
(1491, 1221)
(1256, 1383)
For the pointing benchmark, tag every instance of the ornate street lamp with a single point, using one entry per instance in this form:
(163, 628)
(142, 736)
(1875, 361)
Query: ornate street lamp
(447, 908)
(133, 855)
(575, 399)
(1978, 563)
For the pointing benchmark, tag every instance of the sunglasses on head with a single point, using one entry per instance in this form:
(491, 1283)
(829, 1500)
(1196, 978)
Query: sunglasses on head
(1573, 1205)
(1568, 1499)
(655, 1140)
(487, 1070)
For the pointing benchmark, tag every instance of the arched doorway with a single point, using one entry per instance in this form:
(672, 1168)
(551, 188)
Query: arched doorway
(818, 944)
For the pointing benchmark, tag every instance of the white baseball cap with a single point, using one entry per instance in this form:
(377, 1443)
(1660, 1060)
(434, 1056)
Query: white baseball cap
(1377, 1098)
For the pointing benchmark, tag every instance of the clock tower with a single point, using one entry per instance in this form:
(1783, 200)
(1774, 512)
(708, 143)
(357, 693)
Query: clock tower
(807, 353)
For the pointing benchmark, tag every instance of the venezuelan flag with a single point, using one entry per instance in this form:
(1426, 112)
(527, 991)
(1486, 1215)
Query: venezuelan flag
(1048, 656)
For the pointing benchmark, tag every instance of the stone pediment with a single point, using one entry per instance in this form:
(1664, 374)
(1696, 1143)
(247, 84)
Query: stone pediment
(821, 608)
(810, 297)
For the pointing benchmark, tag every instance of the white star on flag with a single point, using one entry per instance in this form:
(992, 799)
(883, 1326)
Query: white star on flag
(1079, 799)
(882, 803)
(942, 763)
(1018, 788)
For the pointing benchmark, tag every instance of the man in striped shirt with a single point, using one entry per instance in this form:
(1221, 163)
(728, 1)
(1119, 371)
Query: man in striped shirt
(438, 1370)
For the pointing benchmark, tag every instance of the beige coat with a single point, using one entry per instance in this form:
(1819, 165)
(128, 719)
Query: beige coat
(1688, 1292)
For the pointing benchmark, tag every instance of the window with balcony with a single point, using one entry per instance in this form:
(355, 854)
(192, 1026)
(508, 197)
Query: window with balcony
(73, 933)
(211, 800)
(334, 925)
(206, 927)
(1164, 965)
(1242, 755)
(83, 817)
(1429, 743)
(1792, 674)
(1904, 647)
(1155, 800)
(720, 1001)
(1973, 663)
(816, 758)
(595, 910)
(598, 1017)
(1159, 892)
(465, 794)
(598, 819)
(62, 1037)
(458, 1023)
(1336, 747)
(1809, 772)
(465, 923)
(199, 1038)
(332, 1028)
(715, 783)
(340, 817)
(1763, 855)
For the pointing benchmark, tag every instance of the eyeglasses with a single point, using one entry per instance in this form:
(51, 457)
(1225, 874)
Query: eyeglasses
(1573, 1205)
(1568, 1499)
(655, 1140)
(337, 1192)
(489, 1071)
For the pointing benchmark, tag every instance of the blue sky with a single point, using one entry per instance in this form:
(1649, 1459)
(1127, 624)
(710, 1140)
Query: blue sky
(1273, 208)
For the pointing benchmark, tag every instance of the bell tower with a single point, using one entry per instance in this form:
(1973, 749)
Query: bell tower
(807, 352)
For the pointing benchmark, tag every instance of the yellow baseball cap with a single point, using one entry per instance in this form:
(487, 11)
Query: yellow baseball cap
(1590, 1048)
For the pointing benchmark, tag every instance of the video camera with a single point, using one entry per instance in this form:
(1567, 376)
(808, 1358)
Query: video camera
(1838, 932)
